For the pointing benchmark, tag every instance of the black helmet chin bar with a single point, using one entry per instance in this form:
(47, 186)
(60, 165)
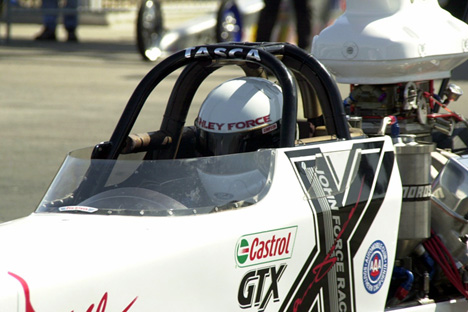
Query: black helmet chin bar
(201, 61)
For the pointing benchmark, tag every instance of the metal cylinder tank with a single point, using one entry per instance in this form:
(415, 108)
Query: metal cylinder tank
(414, 162)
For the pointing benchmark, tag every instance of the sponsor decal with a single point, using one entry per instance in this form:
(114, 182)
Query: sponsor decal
(101, 307)
(417, 192)
(260, 286)
(232, 126)
(321, 270)
(78, 208)
(244, 53)
(269, 128)
(264, 247)
(375, 268)
(345, 189)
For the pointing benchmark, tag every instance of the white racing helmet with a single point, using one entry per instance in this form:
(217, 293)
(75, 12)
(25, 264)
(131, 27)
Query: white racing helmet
(240, 115)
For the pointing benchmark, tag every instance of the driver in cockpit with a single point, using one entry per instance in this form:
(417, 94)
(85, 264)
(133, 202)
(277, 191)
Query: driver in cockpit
(239, 115)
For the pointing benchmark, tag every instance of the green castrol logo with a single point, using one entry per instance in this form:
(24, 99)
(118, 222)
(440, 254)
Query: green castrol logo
(264, 247)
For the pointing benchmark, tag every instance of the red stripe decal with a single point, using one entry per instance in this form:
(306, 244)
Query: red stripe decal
(25, 286)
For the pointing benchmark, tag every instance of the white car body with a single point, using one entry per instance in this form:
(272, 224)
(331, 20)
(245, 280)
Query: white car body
(340, 222)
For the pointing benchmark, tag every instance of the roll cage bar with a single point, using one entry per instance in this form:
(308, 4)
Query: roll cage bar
(279, 59)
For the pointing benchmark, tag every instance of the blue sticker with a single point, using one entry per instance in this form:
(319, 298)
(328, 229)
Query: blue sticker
(375, 268)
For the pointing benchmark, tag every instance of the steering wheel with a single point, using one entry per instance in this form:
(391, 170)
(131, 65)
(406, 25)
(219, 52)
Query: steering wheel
(133, 198)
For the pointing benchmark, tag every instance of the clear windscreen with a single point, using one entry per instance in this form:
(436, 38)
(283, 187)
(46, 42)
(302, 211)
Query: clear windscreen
(133, 186)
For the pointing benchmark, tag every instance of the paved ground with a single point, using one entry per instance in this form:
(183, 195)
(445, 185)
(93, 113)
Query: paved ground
(56, 97)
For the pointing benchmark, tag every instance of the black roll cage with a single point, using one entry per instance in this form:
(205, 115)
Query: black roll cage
(278, 59)
(282, 60)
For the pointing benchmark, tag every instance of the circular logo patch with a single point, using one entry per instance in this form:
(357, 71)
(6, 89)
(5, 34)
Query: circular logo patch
(243, 251)
(375, 265)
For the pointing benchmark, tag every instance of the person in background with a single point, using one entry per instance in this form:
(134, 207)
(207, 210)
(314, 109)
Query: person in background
(269, 14)
(70, 20)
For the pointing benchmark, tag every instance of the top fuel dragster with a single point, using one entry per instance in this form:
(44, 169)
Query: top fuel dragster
(355, 207)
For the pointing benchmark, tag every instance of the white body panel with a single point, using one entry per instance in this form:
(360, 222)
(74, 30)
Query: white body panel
(66, 262)
(379, 42)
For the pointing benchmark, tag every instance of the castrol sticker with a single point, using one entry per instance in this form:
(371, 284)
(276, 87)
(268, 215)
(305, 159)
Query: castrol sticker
(264, 247)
